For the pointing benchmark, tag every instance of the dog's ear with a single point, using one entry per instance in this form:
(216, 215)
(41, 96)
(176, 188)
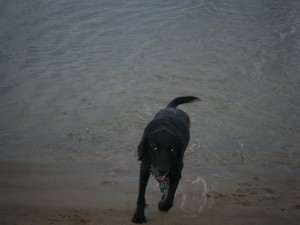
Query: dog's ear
(179, 154)
(180, 150)
(141, 149)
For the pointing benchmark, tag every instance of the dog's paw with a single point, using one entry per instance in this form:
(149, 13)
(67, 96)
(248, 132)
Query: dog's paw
(164, 206)
(139, 218)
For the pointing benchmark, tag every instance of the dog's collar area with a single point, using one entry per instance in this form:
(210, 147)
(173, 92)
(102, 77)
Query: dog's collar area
(164, 187)
(163, 182)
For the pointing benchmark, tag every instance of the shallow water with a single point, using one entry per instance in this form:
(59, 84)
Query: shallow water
(87, 76)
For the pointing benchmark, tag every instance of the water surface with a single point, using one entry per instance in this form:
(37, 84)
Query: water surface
(81, 79)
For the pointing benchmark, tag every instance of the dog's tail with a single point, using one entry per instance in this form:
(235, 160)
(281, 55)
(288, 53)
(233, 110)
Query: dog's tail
(181, 100)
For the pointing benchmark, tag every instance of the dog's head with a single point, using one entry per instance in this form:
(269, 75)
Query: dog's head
(160, 150)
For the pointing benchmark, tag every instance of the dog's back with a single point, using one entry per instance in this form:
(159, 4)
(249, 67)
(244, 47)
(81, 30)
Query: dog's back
(174, 117)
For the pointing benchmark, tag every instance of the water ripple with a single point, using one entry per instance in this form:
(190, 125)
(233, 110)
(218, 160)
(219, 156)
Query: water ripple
(68, 65)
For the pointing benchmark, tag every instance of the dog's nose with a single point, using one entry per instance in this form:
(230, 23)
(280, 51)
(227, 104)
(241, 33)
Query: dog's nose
(162, 171)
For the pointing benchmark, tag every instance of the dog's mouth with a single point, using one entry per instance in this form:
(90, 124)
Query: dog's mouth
(159, 177)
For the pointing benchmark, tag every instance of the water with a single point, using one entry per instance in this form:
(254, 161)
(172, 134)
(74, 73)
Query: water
(81, 79)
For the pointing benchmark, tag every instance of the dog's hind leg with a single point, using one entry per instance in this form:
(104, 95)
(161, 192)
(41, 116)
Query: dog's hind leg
(139, 215)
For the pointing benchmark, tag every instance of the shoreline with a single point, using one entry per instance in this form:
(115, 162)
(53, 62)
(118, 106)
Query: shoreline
(87, 194)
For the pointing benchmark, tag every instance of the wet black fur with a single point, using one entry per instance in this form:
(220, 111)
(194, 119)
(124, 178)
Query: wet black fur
(161, 151)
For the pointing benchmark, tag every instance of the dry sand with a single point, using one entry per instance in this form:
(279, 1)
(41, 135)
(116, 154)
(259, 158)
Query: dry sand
(105, 194)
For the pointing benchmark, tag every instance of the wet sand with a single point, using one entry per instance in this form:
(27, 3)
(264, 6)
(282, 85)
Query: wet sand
(104, 193)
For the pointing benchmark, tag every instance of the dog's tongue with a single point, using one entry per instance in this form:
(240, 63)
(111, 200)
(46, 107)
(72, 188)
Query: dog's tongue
(160, 178)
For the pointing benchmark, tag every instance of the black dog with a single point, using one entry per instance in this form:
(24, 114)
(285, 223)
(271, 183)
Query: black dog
(161, 152)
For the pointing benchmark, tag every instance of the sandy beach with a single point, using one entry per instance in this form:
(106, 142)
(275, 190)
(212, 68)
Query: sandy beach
(104, 193)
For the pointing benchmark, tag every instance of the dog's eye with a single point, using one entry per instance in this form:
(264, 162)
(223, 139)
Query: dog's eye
(155, 148)
(171, 150)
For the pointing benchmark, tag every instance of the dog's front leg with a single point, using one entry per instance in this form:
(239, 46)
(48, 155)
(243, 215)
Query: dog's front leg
(139, 215)
(165, 205)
